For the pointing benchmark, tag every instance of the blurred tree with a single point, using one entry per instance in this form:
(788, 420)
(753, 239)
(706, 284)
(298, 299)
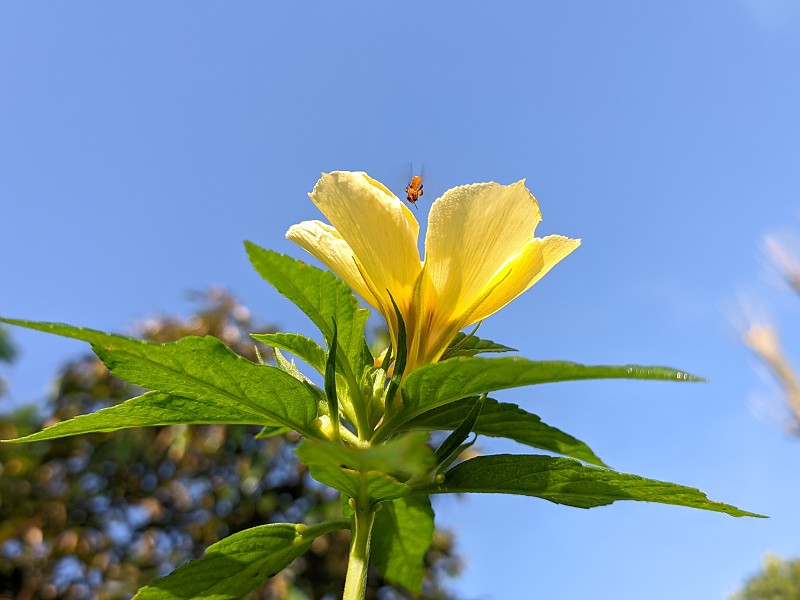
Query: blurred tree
(98, 516)
(779, 580)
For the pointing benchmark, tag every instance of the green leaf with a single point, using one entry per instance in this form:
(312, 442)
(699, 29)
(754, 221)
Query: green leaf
(460, 433)
(377, 473)
(236, 565)
(330, 384)
(202, 369)
(500, 419)
(149, 410)
(440, 383)
(470, 345)
(400, 359)
(402, 534)
(443, 466)
(302, 347)
(323, 297)
(288, 366)
(271, 431)
(566, 481)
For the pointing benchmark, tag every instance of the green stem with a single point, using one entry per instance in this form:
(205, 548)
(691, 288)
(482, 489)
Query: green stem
(355, 586)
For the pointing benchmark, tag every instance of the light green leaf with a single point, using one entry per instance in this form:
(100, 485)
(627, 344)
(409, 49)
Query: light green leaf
(202, 369)
(287, 366)
(323, 297)
(402, 534)
(372, 486)
(302, 347)
(440, 383)
(238, 564)
(500, 419)
(470, 345)
(566, 481)
(149, 410)
(377, 473)
(270, 431)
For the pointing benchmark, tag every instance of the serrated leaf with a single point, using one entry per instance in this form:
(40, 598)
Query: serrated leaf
(149, 410)
(302, 347)
(379, 472)
(501, 419)
(402, 534)
(470, 345)
(323, 297)
(440, 383)
(202, 369)
(236, 565)
(287, 366)
(566, 481)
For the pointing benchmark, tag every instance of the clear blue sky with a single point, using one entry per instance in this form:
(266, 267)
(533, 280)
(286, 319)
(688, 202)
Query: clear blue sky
(140, 143)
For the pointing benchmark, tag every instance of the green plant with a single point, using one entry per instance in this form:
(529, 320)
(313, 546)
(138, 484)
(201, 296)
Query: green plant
(100, 515)
(366, 431)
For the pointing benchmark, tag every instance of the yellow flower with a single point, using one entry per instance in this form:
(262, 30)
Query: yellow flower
(480, 253)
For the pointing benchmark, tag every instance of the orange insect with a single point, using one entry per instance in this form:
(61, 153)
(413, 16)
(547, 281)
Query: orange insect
(414, 190)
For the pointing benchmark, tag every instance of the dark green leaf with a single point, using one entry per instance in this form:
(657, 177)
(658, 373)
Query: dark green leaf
(500, 419)
(302, 347)
(379, 473)
(461, 432)
(470, 345)
(238, 564)
(330, 385)
(400, 359)
(402, 534)
(443, 466)
(323, 297)
(441, 383)
(204, 370)
(566, 481)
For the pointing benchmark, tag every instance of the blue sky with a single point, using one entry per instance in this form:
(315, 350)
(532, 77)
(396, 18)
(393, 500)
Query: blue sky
(140, 143)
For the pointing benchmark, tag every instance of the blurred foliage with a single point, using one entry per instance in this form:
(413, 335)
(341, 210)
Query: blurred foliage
(779, 580)
(7, 354)
(762, 336)
(7, 351)
(98, 516)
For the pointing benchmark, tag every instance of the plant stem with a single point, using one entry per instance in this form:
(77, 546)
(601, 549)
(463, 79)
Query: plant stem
(355, 586)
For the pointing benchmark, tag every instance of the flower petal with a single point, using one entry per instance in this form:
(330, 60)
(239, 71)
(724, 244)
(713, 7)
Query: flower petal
(473, 230)
(324, 242)
(379, 229)
(535, 259)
